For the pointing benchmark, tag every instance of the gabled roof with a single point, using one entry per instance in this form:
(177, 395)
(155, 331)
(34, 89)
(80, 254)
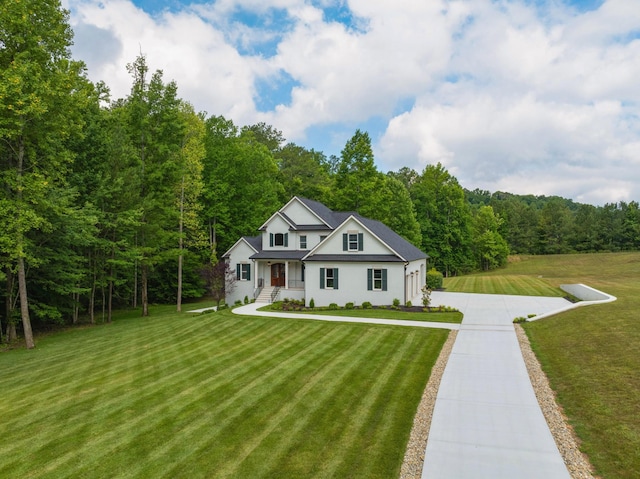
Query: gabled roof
(396, 242)
(320, 210)
(332, 220)
(254, 242)
(404, 250)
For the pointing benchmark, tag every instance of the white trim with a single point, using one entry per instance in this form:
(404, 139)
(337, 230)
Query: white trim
(228, 252)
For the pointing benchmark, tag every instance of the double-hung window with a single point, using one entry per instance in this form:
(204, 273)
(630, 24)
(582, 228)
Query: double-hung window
(376, 279)
(352, 241)
(328, 278)
(303, 242)
(243, 272)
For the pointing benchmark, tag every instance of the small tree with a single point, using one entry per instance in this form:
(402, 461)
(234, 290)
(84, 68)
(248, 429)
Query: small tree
(426, 296)
(219, 280)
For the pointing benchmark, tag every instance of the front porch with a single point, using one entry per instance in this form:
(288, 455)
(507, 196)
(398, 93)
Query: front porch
(277, 279)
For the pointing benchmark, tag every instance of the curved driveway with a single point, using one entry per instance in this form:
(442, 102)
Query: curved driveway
(486, 423)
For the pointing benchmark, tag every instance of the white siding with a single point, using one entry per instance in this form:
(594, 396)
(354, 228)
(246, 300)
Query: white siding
(239, 254)
(352, 284)
(300, 214)
(334, 243)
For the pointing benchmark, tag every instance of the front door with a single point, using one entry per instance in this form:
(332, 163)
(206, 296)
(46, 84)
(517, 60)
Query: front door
(277, 274)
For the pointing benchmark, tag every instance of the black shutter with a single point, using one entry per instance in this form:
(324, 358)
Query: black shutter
(345, 242)
(384, 280)
(271, 239)
(335, 278)
(321, 278)
(360, 241)
(238, 271)
(369, 279)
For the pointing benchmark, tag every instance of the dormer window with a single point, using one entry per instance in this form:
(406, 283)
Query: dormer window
(279, 239)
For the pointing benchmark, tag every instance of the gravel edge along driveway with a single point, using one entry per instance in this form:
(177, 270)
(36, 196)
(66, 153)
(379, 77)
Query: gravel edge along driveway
(566, 440)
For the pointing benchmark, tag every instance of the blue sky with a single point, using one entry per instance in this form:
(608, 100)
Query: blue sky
(527, 96)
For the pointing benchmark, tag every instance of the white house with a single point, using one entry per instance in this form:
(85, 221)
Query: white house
(307, 251)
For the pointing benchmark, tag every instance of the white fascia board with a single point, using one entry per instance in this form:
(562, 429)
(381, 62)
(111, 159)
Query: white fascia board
(236, 244)
(372, 234)
(339, 227)
(277, 213)
(308, 209)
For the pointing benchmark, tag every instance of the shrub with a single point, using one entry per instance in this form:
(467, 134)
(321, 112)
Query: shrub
(333, 306)
(409, 304)
(520, 319)
(348, 306)
(366, 305)
(434, 279)
(246, 300)
(312, 303)
(396, 302)
(237, 303)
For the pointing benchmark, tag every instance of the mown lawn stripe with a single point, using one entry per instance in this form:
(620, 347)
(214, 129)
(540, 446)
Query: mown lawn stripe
(135, 399)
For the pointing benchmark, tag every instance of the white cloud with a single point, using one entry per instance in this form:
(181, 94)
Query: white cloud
(528, 97)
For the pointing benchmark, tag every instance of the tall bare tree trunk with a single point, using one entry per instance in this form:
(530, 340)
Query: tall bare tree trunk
(144, 291)
(24, 305)
(110, 298)
(11, 334)
(22, 277)
(180, 245)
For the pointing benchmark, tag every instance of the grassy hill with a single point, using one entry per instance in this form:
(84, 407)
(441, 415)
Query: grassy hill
(591, 355)
(213, 395)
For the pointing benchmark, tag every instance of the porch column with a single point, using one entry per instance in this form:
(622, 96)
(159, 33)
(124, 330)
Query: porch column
(286, 275)
(255, 274)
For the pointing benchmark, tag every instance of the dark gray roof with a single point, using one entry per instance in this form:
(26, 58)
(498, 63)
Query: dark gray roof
(254, 241)
(400, 245)
(293, 255)
(406, 250)
(322, 211)
(335, 218)
(355, 258)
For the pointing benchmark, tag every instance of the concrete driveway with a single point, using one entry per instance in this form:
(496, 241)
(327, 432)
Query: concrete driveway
(487, 422)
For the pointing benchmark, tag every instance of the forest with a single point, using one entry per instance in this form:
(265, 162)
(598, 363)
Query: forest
(121, 202)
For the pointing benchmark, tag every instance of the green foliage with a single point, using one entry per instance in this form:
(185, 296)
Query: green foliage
(409, 304)
(520, 319)
(426, 296)
(312, 303)
(396, 302)
(349, 306)
(333, 306)
(366, 305)
(434, 279)
(445, 220)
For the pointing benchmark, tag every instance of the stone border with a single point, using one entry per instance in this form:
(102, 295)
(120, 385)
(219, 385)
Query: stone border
(568, 443)
(414, 455)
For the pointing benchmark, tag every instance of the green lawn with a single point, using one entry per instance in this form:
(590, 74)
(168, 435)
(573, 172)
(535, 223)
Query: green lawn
(213, 395)
(450, 317)
(592, 355)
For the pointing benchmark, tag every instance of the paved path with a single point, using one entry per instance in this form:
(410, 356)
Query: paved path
(487, 422)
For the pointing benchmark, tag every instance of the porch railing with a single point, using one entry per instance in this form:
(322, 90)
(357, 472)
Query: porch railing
(275, 293)
(296, 284)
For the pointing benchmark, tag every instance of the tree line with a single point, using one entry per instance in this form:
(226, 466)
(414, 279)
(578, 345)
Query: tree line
(109, 203)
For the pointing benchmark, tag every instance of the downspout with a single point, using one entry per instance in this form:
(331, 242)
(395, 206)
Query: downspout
(405, 283)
